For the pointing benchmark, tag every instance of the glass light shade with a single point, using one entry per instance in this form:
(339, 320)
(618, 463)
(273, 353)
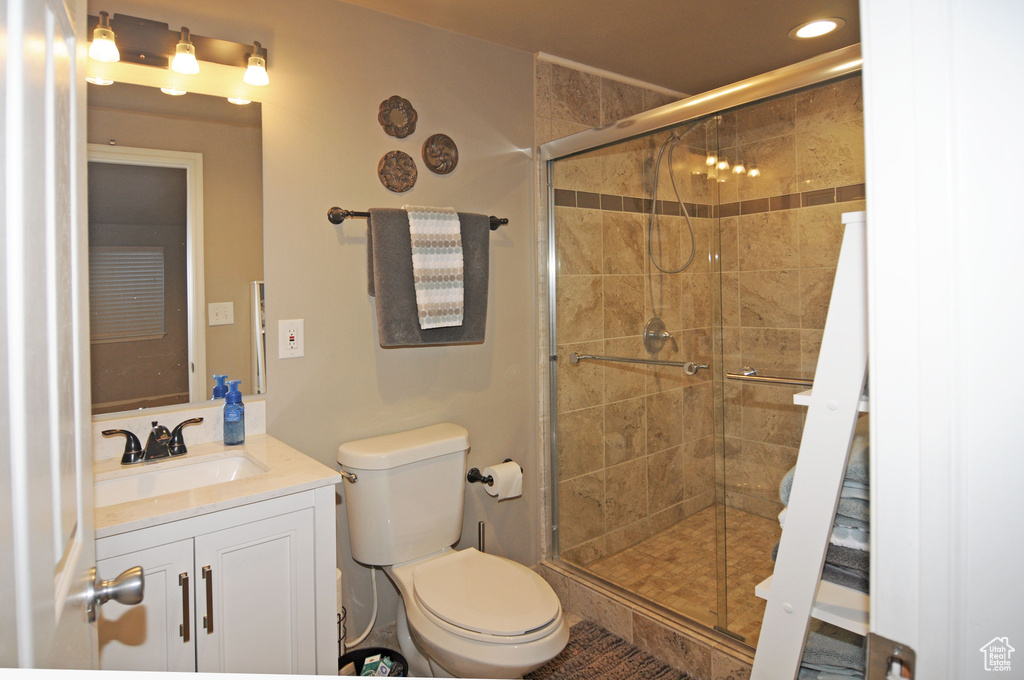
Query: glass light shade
(711, 160)
(723, 164)
(738, 169)
(103, 47)
(185, 56)
(256, 72)
(753, 172)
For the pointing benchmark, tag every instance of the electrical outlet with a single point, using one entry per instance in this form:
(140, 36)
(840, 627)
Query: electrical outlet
(221, 313)
(290, 339)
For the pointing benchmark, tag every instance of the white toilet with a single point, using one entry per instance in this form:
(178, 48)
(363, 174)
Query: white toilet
(462, 613)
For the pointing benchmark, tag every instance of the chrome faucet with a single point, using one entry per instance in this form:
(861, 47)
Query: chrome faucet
(162, 443)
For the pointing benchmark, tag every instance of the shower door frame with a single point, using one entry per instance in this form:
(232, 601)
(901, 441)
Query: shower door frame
(825, 67)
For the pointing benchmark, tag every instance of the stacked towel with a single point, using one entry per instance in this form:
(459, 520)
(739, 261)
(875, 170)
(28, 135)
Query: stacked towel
(846, 560)
(832, 653)
(390, 280)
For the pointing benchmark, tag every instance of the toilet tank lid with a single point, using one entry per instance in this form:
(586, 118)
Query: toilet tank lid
(401, 448)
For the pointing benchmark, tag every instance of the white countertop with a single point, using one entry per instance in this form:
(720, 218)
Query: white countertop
(289, 471)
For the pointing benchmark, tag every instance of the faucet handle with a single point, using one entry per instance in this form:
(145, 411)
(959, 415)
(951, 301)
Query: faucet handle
(177, 443)
(132, 446)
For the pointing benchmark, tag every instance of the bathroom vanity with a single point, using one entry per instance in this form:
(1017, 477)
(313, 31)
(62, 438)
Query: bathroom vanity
(237, 544)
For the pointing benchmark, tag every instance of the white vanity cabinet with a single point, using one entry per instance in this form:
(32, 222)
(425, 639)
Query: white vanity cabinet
(244, 589)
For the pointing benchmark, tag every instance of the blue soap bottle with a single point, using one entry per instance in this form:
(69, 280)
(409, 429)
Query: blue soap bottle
(220, 389)
(234, 415)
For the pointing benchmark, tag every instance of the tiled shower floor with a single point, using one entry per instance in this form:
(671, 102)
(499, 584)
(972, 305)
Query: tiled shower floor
(676, 568)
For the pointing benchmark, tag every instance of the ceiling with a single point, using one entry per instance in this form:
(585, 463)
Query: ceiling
(689, 46)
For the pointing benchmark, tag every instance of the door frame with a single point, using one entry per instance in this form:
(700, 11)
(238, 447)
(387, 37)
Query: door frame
(192, 164)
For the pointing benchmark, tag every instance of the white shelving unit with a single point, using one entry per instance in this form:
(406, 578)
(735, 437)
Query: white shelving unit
(795, 592)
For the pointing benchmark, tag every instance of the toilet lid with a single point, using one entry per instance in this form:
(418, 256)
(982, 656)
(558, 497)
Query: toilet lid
(485, 593)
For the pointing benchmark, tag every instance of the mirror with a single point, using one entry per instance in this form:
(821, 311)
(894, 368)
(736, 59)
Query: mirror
(182, 177)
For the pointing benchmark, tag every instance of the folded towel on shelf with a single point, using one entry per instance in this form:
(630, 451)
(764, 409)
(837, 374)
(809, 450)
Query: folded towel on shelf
(833, 649)
(854, 510)
(437, 266)
(848, 558)
(390, 280)
(845, 536)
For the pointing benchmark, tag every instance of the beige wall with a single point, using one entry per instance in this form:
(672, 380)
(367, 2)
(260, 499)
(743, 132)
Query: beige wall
(232, 215)
(330, 66)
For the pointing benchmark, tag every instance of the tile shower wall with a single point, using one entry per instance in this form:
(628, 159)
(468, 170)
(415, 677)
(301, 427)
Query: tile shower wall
(780, 238)
(636, 444)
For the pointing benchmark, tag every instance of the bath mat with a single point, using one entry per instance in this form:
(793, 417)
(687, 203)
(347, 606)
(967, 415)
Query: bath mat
(593, 653)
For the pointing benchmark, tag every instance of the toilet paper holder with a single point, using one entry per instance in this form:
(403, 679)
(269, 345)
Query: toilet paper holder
(474, 475)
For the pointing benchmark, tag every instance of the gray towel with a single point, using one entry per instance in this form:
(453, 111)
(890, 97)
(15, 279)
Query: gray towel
(831, 647)
(851, 512)
(841, 557)
(389, 280)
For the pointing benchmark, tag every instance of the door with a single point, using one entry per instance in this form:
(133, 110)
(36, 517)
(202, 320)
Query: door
(46, 536)
(159, 633)
(255, 597)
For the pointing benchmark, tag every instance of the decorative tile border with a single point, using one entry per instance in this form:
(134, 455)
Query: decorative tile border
(567, 198)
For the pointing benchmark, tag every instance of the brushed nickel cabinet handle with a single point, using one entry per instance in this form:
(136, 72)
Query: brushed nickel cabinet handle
(185, 629)
(208, 619)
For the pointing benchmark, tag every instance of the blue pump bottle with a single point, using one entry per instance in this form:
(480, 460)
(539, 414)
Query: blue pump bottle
(234, 415)
(220, 389)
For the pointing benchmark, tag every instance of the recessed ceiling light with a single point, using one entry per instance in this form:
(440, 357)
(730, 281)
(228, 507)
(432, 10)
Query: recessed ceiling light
(812, 29)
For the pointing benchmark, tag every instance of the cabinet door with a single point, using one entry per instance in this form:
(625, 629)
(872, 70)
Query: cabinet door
(255, 597)
(158, 634)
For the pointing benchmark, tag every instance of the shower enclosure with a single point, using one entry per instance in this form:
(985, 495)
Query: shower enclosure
(666, 470)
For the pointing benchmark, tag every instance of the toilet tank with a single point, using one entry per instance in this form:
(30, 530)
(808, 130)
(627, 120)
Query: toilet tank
(409, 496)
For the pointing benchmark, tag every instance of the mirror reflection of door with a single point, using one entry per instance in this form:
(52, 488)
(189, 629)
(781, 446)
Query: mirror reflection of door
(138, 219)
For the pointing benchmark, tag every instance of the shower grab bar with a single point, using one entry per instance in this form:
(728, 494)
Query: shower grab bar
(750, 375)
(689, 367)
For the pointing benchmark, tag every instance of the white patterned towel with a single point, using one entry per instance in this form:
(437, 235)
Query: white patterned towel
(437, 265)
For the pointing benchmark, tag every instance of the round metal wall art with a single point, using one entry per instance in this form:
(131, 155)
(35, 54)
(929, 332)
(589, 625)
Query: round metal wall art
(397, 116)
(440, 154)
(397, 171)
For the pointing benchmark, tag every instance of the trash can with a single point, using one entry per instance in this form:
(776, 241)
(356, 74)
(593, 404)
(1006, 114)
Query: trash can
(358, 656)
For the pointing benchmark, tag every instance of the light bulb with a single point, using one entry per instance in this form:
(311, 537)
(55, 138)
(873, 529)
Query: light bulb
(185, 55)
(238, 101)
(103, 47)
(173, 92)
(753, 172)
(738, 169)
(256, 72)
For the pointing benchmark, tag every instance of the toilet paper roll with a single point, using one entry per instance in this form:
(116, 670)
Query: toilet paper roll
(508, 480)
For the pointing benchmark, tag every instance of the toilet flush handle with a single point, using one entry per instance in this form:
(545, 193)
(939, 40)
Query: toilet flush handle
(350, 476)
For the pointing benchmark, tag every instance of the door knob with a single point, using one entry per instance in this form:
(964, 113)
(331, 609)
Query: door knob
(127, 588)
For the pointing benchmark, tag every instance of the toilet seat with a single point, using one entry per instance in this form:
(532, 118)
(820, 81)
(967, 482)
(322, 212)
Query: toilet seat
(483, 596)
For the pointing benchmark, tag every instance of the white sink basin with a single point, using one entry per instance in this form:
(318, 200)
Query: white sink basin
(172, 476)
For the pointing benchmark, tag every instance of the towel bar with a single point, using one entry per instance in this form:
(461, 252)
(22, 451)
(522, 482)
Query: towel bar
(752, 377)
(338, 215)
(689, 368)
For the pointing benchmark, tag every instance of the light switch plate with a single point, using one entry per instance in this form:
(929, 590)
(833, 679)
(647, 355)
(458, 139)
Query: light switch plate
(291, 340)
(221, 313)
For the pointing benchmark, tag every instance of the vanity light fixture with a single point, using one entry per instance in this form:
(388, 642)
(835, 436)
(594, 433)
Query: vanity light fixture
(711, 159)
(817, 27)
(738, 169)
(103, 47)
(185, 55)
(256, 72)
(724, 163)
(753, 172)
(239, 102)
(173, 92)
